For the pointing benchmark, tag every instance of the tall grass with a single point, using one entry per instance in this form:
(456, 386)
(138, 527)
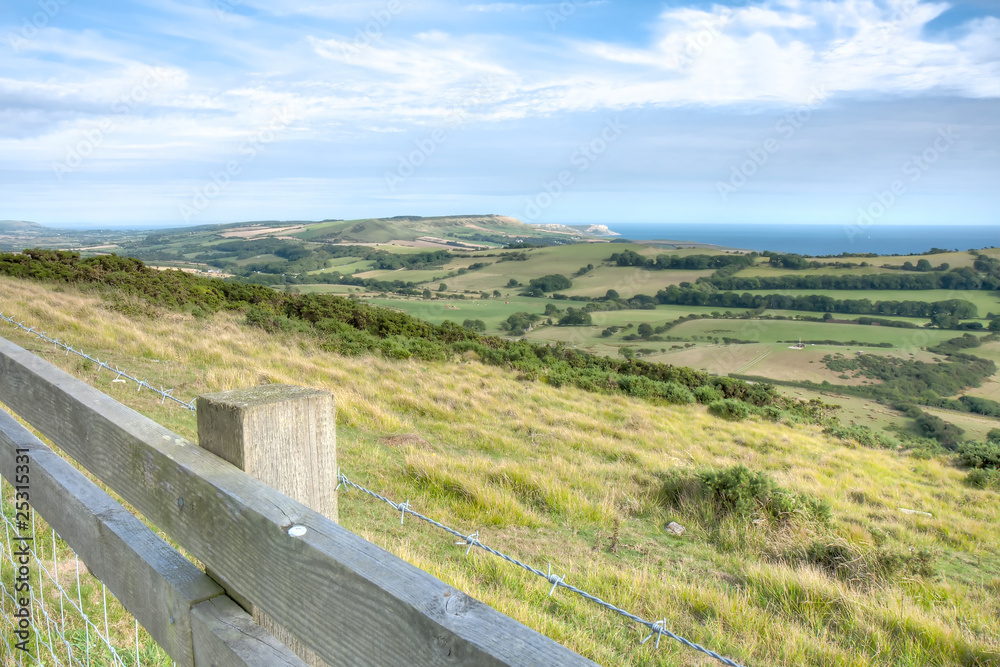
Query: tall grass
(574, 479)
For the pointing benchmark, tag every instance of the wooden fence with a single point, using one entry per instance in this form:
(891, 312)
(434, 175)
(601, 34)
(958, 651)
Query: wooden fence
(277, 566)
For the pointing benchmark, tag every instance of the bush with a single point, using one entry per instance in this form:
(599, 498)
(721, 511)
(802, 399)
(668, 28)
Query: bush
(707, 394)
(979, 455)
(739, 491)
(979, 478)
(729, 408)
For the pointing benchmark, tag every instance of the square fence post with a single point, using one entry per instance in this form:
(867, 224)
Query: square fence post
(286, 437)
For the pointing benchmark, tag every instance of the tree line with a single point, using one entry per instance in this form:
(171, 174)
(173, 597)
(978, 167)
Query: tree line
(687, 296)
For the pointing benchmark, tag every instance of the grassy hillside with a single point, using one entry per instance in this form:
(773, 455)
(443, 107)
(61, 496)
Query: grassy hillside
(587, 482)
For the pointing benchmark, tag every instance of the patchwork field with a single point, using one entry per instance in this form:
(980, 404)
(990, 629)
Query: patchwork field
(577, 479)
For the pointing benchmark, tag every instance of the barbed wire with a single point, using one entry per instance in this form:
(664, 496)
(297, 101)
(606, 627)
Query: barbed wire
(656, 628)
(164, 394)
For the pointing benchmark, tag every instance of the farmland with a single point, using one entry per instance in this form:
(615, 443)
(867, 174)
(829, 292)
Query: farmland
(428, 418)
(478, 270)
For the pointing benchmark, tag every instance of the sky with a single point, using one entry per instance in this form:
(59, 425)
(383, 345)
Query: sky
(174, 112)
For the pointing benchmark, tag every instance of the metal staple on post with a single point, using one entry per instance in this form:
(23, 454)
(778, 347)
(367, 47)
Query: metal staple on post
(657, 628)
(164, 394)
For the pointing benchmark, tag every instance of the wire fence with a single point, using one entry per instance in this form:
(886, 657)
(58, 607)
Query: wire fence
(52, 611)
(657, 629)
(165, 394)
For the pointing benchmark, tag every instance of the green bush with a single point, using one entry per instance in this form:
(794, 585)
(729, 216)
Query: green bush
(739, 491)
(979, 454)
(980, 478)
(707, 394)
(729, 408)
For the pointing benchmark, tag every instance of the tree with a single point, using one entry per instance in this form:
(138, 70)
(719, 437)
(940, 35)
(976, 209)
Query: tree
(550, 309)
(645, 330)
(442, 287)
(485, 295)
(611, 295)
(944, 320)
(497, 294)
(924, 265)
(550, 283)
(575, 317)
(427, 294)
(627, 352)
(474, 325)
(513, 283)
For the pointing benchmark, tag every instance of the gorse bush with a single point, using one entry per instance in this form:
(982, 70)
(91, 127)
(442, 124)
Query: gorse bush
(982, 455)
(983, 478)
(707, 394)
(729, 409)
(743, 493)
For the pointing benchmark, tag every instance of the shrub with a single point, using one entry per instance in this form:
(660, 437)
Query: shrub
(979, 454)
(729, 408)
(979, 478)
(741, 492)
(707, 394)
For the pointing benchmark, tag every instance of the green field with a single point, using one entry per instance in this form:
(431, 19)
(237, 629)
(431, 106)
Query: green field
(324, 289)
(765, 270)
(953, 259)
(783, 330)
(490, 311)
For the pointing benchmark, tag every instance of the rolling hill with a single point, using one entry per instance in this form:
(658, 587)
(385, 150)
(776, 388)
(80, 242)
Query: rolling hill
(587, 481)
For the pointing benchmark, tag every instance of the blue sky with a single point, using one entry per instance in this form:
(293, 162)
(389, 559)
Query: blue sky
(582, 111)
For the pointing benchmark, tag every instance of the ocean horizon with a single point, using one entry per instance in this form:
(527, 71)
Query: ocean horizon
(809, 239)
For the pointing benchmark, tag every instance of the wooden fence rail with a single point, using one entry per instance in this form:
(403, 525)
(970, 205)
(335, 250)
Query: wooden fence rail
(344, 598)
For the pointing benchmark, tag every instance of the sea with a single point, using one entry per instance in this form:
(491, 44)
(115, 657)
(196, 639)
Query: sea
(812, 239)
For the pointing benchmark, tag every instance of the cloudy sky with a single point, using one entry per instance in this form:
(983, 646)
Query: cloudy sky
(603, 111)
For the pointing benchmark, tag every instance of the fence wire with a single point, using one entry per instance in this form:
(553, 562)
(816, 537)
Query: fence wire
(657, 629)
(66, 622)
(165, 394)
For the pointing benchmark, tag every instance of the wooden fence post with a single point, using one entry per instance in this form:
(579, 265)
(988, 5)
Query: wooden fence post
(286, 437)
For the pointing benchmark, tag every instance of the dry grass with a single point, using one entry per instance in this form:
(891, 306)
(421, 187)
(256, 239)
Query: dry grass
(559, 475)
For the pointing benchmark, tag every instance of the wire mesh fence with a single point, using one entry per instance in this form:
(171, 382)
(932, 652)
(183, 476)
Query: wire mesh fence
(52, 610)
